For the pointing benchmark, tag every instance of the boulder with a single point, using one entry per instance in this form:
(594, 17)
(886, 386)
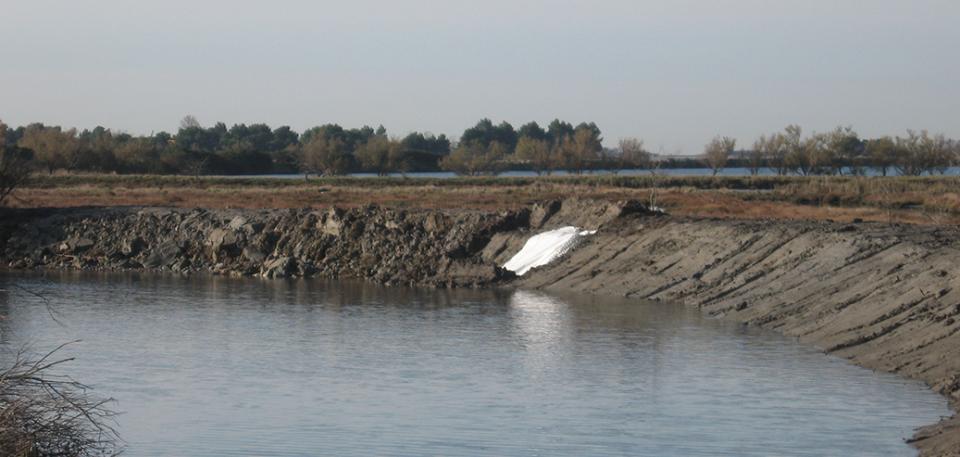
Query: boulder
(163, 255)
(332, 223)
(220, 239)
(132, 246)
(76, 245)
(253, 254)
(280, 267)
(237, 223)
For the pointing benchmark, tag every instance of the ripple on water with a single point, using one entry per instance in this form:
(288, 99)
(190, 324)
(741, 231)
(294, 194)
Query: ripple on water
(214, 366)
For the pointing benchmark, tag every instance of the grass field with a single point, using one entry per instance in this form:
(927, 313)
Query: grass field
(917, 200)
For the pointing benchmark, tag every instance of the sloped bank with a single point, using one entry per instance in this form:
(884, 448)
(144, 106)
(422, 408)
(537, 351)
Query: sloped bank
(884, 297)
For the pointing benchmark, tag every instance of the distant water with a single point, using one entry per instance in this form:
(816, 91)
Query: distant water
(227, 367)
(952, 171)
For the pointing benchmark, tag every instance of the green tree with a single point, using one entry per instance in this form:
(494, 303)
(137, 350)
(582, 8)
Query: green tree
(533, 131)
(484, 133)
(558, 131)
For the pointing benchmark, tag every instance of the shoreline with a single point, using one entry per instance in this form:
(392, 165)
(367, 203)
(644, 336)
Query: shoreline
(881, 296)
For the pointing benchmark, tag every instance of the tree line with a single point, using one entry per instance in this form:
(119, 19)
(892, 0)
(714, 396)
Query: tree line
(240, 149)
(837, 152)
(485, 148)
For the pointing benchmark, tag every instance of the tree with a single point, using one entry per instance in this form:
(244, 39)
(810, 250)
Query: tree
(189, 121)
(633, 155)
(139, 155)
(533, 131)
(282, 138)
(845, 149)
(243, 157)
(818, 157)
(15, 165)
(882, 153)
(327, 156)
(921, 152)
(717, 152)
(537, 153)
(472, 159)
(757, 156)
(426, 143)
(794, 157)
(774, 152)
(579, 150)
(53, 148)
(484, 133)
(375, 155)
(558, 130)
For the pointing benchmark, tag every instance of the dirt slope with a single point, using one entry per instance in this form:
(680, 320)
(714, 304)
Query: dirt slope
(887, 298)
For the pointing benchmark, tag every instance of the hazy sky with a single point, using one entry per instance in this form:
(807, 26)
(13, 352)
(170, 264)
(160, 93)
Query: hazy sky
(674, 72)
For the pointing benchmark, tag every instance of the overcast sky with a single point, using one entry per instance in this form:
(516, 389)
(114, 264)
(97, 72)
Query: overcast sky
(673, 72)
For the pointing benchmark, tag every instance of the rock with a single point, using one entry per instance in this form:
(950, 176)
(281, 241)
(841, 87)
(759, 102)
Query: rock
(434, 222)
(332, 223)
(252, 228)
(253, 254)
(541, 213)
(220, 239)
(132, 246)
(76, 245)
(163, 255)
(470, 274)
(237, 223)
(280, 267)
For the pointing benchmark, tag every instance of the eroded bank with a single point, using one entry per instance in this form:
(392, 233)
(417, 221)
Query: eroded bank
(885, 297)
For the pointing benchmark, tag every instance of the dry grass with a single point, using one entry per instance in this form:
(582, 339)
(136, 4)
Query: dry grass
(906, 200)
(44, 414)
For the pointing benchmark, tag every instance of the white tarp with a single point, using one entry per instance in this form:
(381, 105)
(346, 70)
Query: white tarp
(543, 248)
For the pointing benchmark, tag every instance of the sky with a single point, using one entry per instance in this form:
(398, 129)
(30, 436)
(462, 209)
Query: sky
(672, 72)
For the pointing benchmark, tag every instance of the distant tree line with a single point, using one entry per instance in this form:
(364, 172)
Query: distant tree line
(483, 149)
(240, 149)
(841, 151)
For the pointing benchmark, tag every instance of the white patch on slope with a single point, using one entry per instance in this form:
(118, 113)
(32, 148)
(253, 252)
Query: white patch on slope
(544, 248)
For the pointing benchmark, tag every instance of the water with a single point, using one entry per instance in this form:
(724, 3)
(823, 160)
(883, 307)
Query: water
(216, 366)
(732, 171)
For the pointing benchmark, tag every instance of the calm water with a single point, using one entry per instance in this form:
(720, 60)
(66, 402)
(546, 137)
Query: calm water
(214, 367)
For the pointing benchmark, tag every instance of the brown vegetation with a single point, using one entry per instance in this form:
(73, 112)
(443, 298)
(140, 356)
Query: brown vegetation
(928, 200)
(44, 414)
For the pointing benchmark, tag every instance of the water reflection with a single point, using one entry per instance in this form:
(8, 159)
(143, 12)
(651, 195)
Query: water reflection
(219, 366)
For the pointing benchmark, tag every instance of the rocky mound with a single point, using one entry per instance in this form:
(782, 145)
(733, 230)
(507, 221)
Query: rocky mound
(387, 246)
